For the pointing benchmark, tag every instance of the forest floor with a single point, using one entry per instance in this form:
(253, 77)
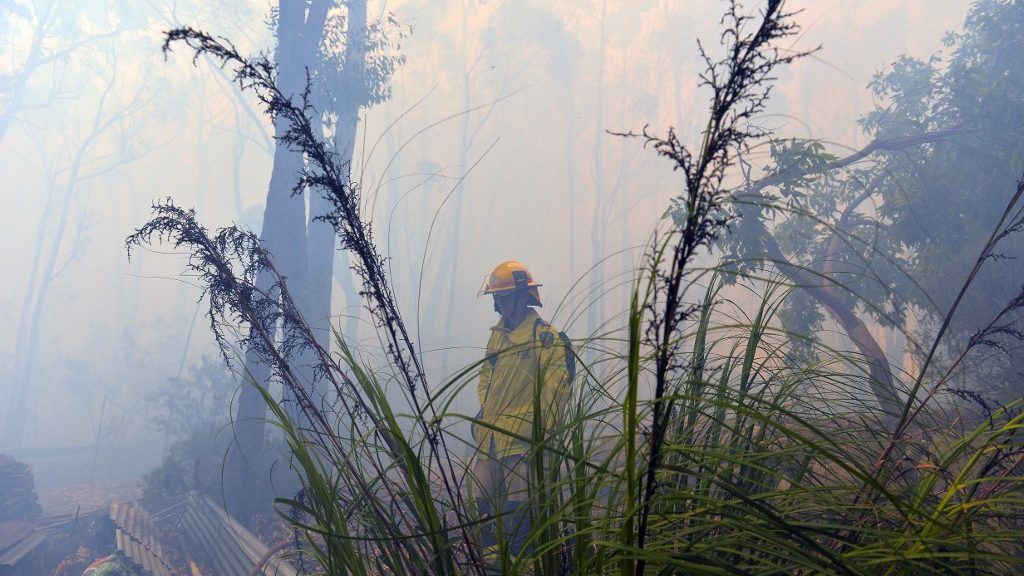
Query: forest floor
(89, 496)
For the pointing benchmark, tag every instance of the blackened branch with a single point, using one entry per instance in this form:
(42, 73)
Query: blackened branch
(740, 84)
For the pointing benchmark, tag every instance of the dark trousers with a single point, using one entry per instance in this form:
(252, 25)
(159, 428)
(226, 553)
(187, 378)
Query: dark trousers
(503, 502)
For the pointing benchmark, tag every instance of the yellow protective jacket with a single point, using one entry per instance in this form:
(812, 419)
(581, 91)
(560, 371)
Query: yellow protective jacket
(519, 362)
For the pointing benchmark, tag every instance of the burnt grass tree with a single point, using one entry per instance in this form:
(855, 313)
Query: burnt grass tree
(227, 263)
(740, 83)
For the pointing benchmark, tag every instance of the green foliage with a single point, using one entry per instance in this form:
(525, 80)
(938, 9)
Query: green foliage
(946, 197)
(806, 157)
(194, 414)
(192, 463)
(185, 406)
(892, 230)
(114, 565)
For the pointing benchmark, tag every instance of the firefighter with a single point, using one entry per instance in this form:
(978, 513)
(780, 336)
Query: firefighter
(526, 360)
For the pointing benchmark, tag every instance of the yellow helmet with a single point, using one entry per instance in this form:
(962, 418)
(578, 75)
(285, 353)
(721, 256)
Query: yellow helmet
(511, 276)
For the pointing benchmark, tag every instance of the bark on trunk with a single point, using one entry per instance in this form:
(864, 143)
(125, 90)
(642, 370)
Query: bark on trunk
(322, 237)
(879, 373)
(302, 248)
(284, 236)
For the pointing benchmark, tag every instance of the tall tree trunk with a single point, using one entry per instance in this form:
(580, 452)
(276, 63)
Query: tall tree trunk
(33, 310)
(349, 98)
(284, 236)
(452, 259)
(570, 184)
(595, 309)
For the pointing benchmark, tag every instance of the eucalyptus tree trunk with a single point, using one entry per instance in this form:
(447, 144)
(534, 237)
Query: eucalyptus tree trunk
(598, 234)
(303, 247)
(341, 101)
(570, 185)
(349, 97)
(447, 287)
(284, 236)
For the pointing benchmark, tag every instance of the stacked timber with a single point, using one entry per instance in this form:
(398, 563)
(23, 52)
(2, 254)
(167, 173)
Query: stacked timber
(18, 499)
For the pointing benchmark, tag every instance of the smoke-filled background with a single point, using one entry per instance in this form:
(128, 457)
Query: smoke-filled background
(491, 142)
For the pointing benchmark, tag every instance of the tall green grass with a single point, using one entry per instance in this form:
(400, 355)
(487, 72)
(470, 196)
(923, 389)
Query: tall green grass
(769, 467)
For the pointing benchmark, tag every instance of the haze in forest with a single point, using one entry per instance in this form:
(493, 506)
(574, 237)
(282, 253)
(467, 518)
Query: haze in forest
(494, 144)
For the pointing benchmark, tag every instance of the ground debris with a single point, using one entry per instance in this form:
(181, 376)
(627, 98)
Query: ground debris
(115, 564)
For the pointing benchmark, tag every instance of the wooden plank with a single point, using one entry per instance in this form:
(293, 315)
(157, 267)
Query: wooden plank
(13, 553)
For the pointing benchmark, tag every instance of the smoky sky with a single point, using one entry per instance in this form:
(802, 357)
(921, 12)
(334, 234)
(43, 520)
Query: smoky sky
(493, 146)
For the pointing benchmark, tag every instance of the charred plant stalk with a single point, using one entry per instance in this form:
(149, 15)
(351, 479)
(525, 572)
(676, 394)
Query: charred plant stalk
(228, 264)
(740, 84)
(324, 174)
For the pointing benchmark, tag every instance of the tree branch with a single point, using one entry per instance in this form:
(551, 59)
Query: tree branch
(842, 226)
(881, 381)
(889, 145)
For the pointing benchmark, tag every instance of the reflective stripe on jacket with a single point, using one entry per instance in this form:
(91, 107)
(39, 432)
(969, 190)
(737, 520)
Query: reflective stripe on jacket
(518, 362)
